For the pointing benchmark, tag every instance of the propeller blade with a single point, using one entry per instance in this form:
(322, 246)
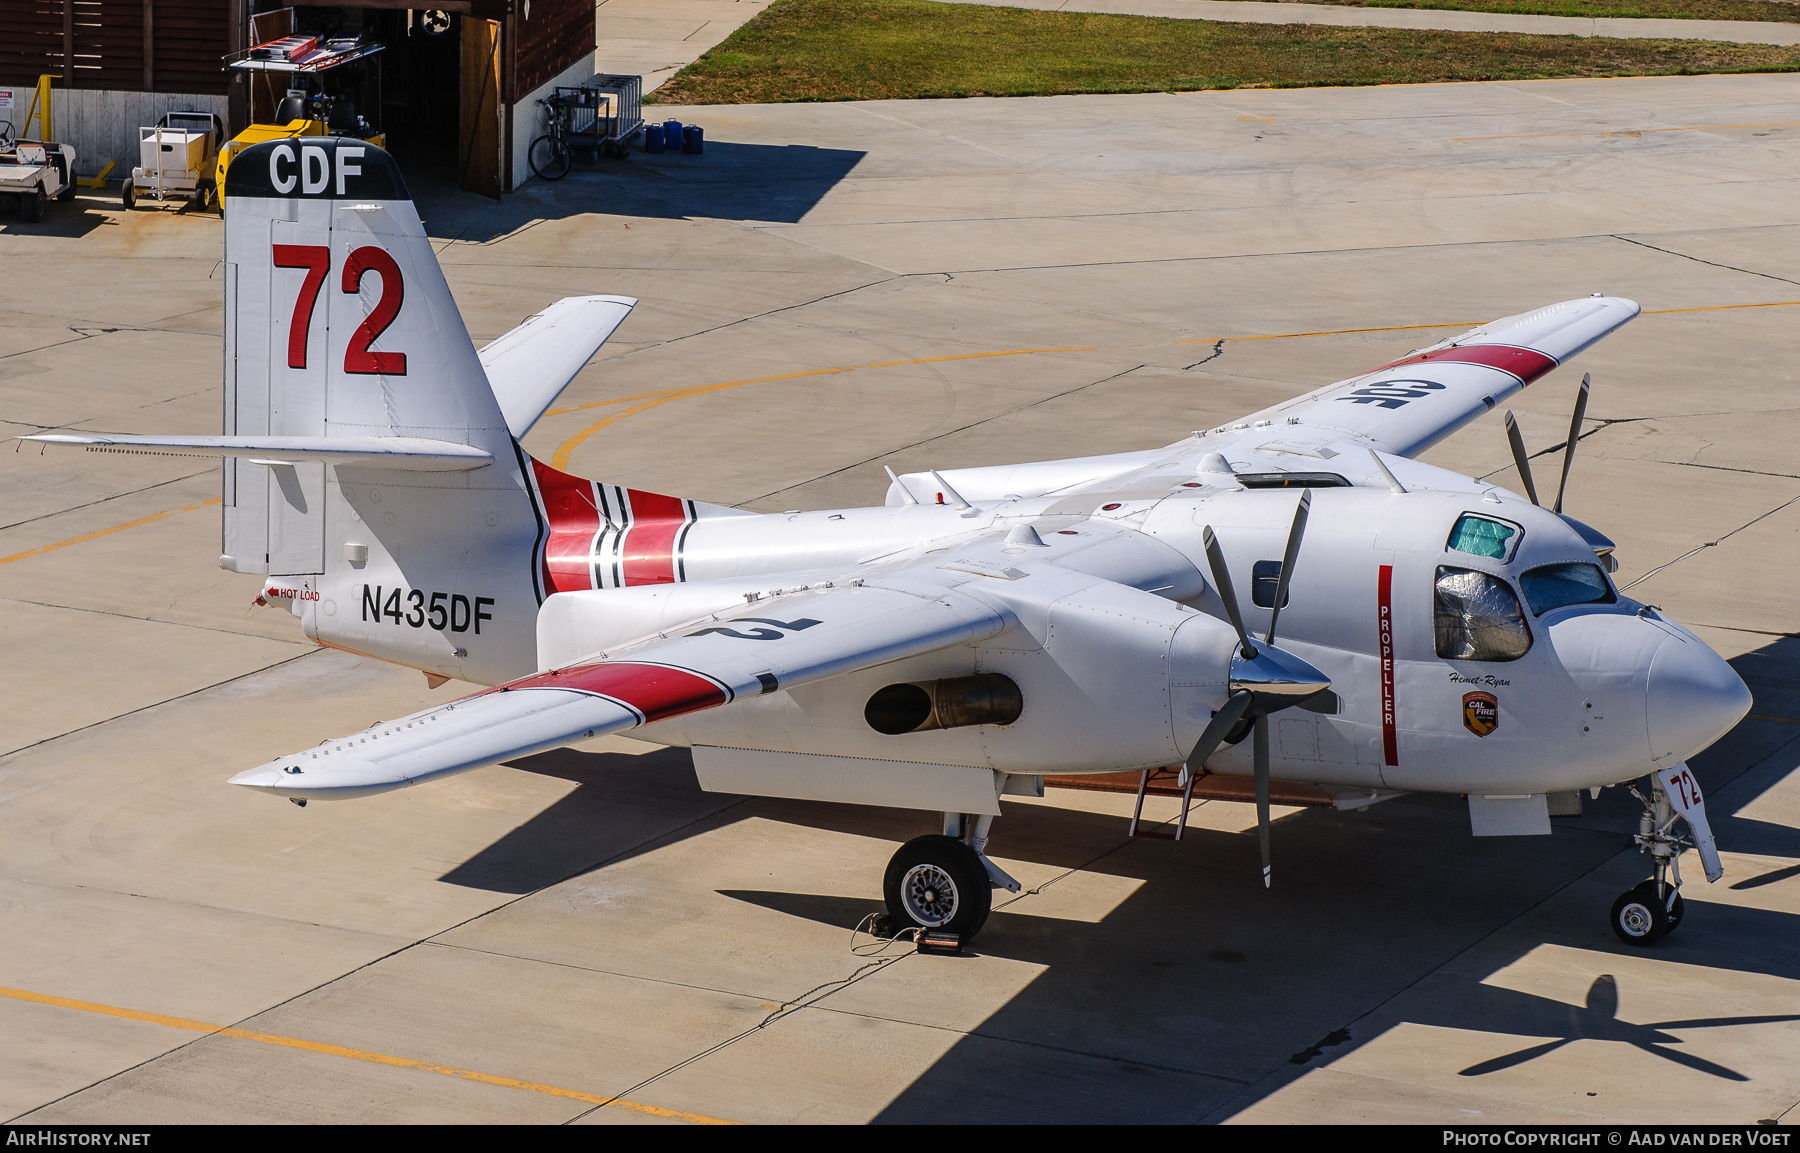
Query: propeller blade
(1222, 723)
(1260, 750)
(1288, 558)
(1222, 582)
(1581, 399)
(1519, 458)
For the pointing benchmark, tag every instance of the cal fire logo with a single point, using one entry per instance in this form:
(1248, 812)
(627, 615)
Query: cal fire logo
(1481, 713)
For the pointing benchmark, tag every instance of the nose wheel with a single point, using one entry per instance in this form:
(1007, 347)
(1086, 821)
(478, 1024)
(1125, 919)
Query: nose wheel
(1646, 913)
(1651, 910)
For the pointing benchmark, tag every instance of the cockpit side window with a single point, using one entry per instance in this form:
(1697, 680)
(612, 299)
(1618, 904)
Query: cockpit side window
(1554, 586)
(1484, 536)
(1478, 617)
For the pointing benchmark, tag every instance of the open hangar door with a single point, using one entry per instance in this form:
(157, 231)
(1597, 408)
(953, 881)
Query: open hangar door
(437, 82)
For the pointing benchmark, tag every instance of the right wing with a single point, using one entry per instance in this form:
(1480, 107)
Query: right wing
(1401, 408)
(1406, 406)
(776, 644)
(531, 365)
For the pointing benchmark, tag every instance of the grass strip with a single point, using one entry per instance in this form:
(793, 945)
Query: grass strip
(808, 50)
(1771, 10)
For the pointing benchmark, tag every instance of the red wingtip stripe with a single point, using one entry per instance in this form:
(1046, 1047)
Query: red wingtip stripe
(1525, 363)
(654, 692)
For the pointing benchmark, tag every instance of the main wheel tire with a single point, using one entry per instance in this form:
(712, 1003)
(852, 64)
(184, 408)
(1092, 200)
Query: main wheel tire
(1675, 910)
(549, 158)
(938, 882)
(1638, 917)
(128, 194)
(31, 205)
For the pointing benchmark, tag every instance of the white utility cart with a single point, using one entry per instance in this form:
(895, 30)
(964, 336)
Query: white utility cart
(176, 157)
(32, 173)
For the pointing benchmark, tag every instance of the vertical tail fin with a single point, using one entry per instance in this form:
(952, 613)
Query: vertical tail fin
(338, 323)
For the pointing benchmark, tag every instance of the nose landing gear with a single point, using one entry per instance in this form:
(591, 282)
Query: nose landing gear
(1652, 909)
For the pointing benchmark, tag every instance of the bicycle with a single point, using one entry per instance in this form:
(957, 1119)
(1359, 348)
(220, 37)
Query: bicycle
(549, 155)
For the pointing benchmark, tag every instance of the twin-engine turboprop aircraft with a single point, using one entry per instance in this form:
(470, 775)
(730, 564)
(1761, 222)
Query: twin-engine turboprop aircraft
(1407, 628)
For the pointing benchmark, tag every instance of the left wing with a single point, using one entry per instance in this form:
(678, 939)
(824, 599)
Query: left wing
(781, 642)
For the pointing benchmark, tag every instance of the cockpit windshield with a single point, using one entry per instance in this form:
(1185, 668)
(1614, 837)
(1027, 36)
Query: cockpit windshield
(1554, 586)
(1478, 617)
(1484, 536)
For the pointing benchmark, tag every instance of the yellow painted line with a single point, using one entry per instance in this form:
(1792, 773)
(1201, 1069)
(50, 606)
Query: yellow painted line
(1768, 717)
(1721, 307)
(1628, 131)
(358, 1055)
(560, 460)
(106, 531)
(1334, 332)
(649, 400)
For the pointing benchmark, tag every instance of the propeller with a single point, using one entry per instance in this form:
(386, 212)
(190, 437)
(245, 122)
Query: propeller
(1263, 681)
(1522, 460)
(1581, 399)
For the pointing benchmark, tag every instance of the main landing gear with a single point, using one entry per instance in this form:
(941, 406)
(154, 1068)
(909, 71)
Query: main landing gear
(943, 884)
(1652, 909)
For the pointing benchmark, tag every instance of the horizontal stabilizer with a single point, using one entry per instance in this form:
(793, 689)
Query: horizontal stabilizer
(410, 453)
(530, 366)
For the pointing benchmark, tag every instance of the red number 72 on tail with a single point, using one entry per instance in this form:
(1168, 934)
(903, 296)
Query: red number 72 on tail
(316, 259)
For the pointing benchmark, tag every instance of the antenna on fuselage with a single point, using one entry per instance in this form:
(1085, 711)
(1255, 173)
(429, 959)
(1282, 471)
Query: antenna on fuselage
(955, 497)
(1393, 484)
(901, 485)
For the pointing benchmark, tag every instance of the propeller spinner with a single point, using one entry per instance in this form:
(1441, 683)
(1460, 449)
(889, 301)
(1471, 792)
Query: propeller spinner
(1264, 680)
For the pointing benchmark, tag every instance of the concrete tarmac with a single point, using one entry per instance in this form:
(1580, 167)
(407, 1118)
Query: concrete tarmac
(585, 936)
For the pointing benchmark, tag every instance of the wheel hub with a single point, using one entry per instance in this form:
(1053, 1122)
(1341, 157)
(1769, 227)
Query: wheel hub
(929, 894)
(1636, 919)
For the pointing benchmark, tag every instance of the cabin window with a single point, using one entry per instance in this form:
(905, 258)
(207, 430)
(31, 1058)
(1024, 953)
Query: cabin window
(1478, 617)
(1265, 577)
(1484, 536)
(1555, 586)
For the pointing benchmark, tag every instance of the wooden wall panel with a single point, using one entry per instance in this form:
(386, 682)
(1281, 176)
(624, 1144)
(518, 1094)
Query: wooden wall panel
(108, 37)
(556, 35)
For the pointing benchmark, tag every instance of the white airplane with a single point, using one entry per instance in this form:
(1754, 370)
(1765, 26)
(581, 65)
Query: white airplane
(983, 628)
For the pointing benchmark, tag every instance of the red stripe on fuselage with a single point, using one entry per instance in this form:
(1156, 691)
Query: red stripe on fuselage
(1384, 641)
(1525, 363)
(657, 691)
(649, 546)
(574, 519)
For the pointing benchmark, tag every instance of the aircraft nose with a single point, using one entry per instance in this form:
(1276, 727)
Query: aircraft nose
(1694, 698)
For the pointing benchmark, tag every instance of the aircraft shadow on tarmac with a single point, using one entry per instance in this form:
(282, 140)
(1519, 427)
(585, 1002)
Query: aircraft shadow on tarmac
(775, 183)
(1199, 983)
